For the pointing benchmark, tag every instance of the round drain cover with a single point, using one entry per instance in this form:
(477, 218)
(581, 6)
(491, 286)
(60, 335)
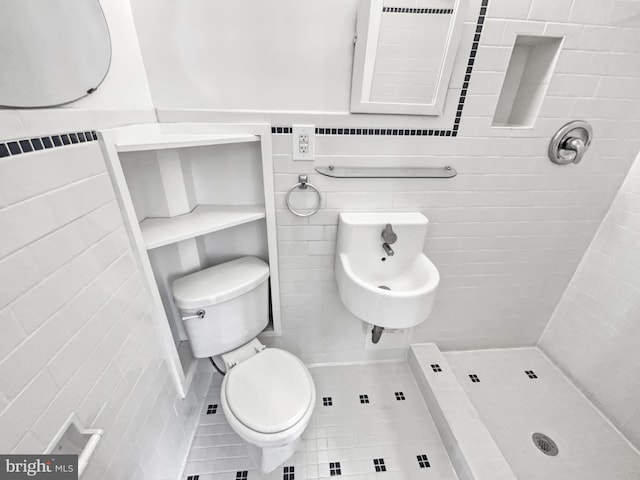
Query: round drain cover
(545, 444)
(384, 287)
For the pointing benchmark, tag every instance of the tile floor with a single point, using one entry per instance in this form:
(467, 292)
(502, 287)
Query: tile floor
(518, 392)
(369, 422)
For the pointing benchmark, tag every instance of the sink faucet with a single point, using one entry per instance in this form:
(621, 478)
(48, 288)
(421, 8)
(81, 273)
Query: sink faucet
(389, 237)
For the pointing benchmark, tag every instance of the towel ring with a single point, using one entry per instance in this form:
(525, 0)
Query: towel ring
(302, 185)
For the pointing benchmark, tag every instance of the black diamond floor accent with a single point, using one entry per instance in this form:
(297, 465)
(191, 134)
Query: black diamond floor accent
(364, 398)
(211, 409)
(474, 378)
(400, 396)
(242, 475)
(289, 473)
(327, 401)
(334, 469)
(423, 461)
(435, 367)
(531, 374)
(379, 464)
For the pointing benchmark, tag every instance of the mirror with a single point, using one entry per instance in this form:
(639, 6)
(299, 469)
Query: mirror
(404, 55)
(52, 52)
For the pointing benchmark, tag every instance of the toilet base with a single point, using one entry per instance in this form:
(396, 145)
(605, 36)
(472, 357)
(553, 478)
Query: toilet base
(270, 458)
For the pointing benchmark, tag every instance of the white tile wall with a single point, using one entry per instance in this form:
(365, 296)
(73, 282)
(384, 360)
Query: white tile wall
(507, 233)
(594, 331)
(77, 336)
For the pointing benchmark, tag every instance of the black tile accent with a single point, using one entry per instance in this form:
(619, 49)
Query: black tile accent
(289, 473)
(423, 461)
(14, 148)
(531, 374)
(421, 11)
(474, 378)
(242, 475)
(364, 398)
(453, 131)
(378, 463)
(327, 401)
(212, 408)
(26, 146)
(335, 469)
(193, 477)
(400, 396)
(436, 367)
(37, 144)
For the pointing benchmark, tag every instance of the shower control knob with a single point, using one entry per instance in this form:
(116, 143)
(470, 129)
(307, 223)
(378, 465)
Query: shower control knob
(570, 143)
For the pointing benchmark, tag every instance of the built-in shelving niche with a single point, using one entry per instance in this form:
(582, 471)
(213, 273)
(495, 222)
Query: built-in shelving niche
(525, 85)
(194, 196)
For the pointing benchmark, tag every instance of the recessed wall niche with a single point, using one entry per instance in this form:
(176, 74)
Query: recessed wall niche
(193, 196)
(531, 66)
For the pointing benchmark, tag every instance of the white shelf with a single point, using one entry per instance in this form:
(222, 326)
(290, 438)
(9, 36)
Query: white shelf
(158, 232)
(156, 140)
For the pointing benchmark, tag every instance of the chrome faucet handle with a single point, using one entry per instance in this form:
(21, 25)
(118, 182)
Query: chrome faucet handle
(388, 235)
(573, 149)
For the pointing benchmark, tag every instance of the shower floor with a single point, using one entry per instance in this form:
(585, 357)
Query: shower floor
(392, 429)
(514, 404)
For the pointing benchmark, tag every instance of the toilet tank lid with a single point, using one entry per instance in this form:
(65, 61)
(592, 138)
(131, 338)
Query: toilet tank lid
(219, 283)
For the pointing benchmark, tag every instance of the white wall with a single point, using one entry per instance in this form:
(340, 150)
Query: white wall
(76, 332)
(507, 233)
(594, 332)
(123, 98)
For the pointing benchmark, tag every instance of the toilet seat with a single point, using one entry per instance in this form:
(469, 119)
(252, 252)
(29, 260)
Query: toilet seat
(269, 392)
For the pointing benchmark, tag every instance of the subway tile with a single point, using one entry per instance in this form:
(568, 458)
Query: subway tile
(20, 367)
(55, 168)
(556, 11)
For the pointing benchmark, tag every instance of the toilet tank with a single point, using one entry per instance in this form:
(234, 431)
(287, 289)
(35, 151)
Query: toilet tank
(234, 297)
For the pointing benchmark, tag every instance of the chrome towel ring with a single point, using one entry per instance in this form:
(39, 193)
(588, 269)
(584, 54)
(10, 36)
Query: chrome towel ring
(303, 184)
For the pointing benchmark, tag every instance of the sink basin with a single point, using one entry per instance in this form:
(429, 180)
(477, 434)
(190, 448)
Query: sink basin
(389, 291)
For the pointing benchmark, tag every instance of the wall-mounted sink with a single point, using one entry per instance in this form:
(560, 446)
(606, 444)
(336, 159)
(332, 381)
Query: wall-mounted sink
(383, 276)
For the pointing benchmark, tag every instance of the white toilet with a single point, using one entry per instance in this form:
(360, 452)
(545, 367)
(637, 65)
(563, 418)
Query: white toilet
(267, 394)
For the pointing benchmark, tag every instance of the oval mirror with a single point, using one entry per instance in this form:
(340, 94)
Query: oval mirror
(52, 52)
(404, 55)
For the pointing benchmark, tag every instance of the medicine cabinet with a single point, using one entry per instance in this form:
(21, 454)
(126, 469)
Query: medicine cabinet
(193, 196)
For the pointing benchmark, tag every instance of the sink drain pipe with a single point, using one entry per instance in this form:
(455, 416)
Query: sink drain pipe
(376, 333)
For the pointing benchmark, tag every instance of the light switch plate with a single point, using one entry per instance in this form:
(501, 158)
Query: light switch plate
(304, 142)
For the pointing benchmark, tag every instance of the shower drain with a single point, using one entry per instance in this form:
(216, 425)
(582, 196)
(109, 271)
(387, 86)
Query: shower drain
(545, 444)
(384, 287)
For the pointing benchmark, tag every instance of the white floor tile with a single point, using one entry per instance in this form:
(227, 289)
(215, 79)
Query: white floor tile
(513, 406)
(395, 428)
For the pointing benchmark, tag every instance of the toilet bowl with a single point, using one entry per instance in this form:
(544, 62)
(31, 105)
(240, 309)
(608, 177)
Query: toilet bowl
(267, 394)
(268, 400)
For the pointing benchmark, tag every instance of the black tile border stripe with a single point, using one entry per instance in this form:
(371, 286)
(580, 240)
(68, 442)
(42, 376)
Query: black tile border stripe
(452, 132)
(432, 11)
(26, 145)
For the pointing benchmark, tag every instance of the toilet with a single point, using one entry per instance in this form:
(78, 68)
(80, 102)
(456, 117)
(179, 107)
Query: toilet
(267, 394)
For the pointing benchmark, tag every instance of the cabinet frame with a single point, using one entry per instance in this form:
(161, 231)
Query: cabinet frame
(160, 136)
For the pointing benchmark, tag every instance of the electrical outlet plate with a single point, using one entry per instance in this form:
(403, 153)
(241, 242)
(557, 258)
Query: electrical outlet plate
(304, 142)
